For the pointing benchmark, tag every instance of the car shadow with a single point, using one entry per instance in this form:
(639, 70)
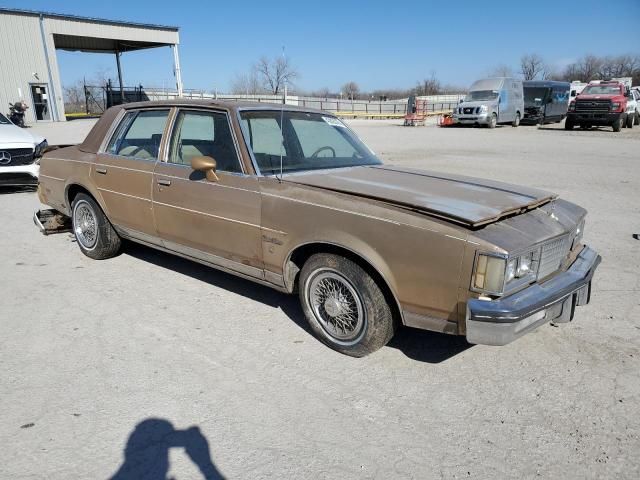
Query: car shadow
(420, 345)
(577, 129)
(146, 454)
(4, 190)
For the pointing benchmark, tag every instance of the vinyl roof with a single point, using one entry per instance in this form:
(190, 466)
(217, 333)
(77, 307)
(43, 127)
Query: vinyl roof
(18, 11)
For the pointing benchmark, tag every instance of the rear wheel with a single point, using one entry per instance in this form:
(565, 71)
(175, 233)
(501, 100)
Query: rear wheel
(516, 121)
(94, 233)
(345, 307)
(493, 121)
(617, 124)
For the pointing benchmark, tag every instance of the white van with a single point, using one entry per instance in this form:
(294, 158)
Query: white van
(492, 101)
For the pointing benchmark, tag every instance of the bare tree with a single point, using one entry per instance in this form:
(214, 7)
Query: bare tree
(429, 86)
(501, 71)
(532, 66)
(322, 93)
(351, 90)
(246, 84)
(275, 73)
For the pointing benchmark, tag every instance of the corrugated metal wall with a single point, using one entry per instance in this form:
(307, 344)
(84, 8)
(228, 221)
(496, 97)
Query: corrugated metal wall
(21, 55)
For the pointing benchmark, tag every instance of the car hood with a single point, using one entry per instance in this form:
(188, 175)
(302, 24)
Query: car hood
(11, 134)
(469, 201)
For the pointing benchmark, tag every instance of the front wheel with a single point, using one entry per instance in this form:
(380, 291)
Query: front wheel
(630, 119)
(345, 307)
(516, 121)
(617, 125)
(636, 118)
(493, 121)
(568, 124)
(94, 233)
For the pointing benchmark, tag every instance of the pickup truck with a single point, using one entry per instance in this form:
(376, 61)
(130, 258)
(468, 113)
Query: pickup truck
(602, 103)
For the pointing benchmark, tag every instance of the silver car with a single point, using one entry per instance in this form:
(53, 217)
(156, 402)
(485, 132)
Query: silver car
(492, 101)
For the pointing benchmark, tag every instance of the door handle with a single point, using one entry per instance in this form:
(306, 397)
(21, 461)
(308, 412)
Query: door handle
(102, 171)
(164, 182)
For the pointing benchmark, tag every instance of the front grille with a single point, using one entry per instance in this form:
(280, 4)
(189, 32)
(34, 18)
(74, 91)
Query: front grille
(599, 106)
(18, 156)
(468, 110)
(552, 255)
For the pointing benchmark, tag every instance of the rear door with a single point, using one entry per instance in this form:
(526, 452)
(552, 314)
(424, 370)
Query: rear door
(123, 173)
(218, 222)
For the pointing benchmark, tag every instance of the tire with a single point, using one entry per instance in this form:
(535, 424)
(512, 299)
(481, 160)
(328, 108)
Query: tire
(516, 121)
(568, 124)
(493, 122)
(94, 233)
(369, 327)
(630, 119)
(617, 125)
(636, 119)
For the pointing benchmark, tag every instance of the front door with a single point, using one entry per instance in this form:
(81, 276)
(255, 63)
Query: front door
(40, 98)
(123, 174)
(219, 221)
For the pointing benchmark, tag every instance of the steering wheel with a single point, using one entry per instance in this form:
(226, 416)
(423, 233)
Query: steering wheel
(321, 149)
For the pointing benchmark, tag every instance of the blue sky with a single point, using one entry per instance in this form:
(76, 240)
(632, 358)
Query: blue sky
(374, 43)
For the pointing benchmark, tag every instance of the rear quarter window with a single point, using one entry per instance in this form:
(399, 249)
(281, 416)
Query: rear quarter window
(139, 135)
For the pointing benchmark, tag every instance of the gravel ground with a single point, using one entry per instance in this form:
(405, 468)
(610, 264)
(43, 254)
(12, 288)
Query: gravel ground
(106, 365)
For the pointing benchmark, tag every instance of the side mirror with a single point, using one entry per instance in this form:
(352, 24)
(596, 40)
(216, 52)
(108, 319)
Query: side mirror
(626, 94)
(550, 100)
(207, 165)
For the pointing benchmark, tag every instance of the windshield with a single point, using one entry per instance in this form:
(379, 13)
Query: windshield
(311, 141)
(601, 90)
(535, 97)
(4, 120)
(481, 95)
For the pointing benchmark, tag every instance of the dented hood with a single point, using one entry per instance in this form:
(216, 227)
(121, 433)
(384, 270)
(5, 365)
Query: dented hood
(466, 200)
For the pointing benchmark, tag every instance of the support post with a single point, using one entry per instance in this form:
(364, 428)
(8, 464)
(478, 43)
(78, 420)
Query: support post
(120, 76)
(176, 69)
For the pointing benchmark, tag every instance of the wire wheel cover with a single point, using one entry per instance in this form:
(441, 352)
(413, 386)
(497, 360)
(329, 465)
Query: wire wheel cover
(336, 305)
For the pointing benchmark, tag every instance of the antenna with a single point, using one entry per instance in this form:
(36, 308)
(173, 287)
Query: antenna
(282, 111)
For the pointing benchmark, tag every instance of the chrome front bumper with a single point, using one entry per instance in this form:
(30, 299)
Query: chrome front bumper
(498, 322)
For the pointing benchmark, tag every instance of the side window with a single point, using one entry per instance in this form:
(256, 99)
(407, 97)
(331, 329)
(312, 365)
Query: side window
(139, 135)
(203, 134)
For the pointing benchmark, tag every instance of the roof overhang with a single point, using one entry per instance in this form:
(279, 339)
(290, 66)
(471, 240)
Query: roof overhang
(76, 43)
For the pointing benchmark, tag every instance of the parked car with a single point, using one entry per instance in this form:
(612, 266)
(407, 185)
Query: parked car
(576, 89)
(601, 103)
(545, 101)
(292, 199)
(20, 151)
(633, 105)
(490, 102)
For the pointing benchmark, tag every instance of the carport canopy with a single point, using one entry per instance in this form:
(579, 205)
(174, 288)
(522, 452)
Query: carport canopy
(75, 43)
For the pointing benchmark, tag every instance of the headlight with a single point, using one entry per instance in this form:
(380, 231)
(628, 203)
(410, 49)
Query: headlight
(489, 273)
(578, 234)
(615, 105)
(572, 106)
(512, 267)
(37, 152)
(483, 109)
(494, 275)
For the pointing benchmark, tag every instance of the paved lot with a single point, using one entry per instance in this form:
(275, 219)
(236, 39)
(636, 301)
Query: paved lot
(111, 362)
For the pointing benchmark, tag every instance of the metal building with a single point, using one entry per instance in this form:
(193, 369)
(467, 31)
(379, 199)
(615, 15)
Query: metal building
(28, 44)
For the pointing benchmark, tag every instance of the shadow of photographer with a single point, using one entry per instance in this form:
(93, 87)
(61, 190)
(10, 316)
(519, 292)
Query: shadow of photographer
(146, 455)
